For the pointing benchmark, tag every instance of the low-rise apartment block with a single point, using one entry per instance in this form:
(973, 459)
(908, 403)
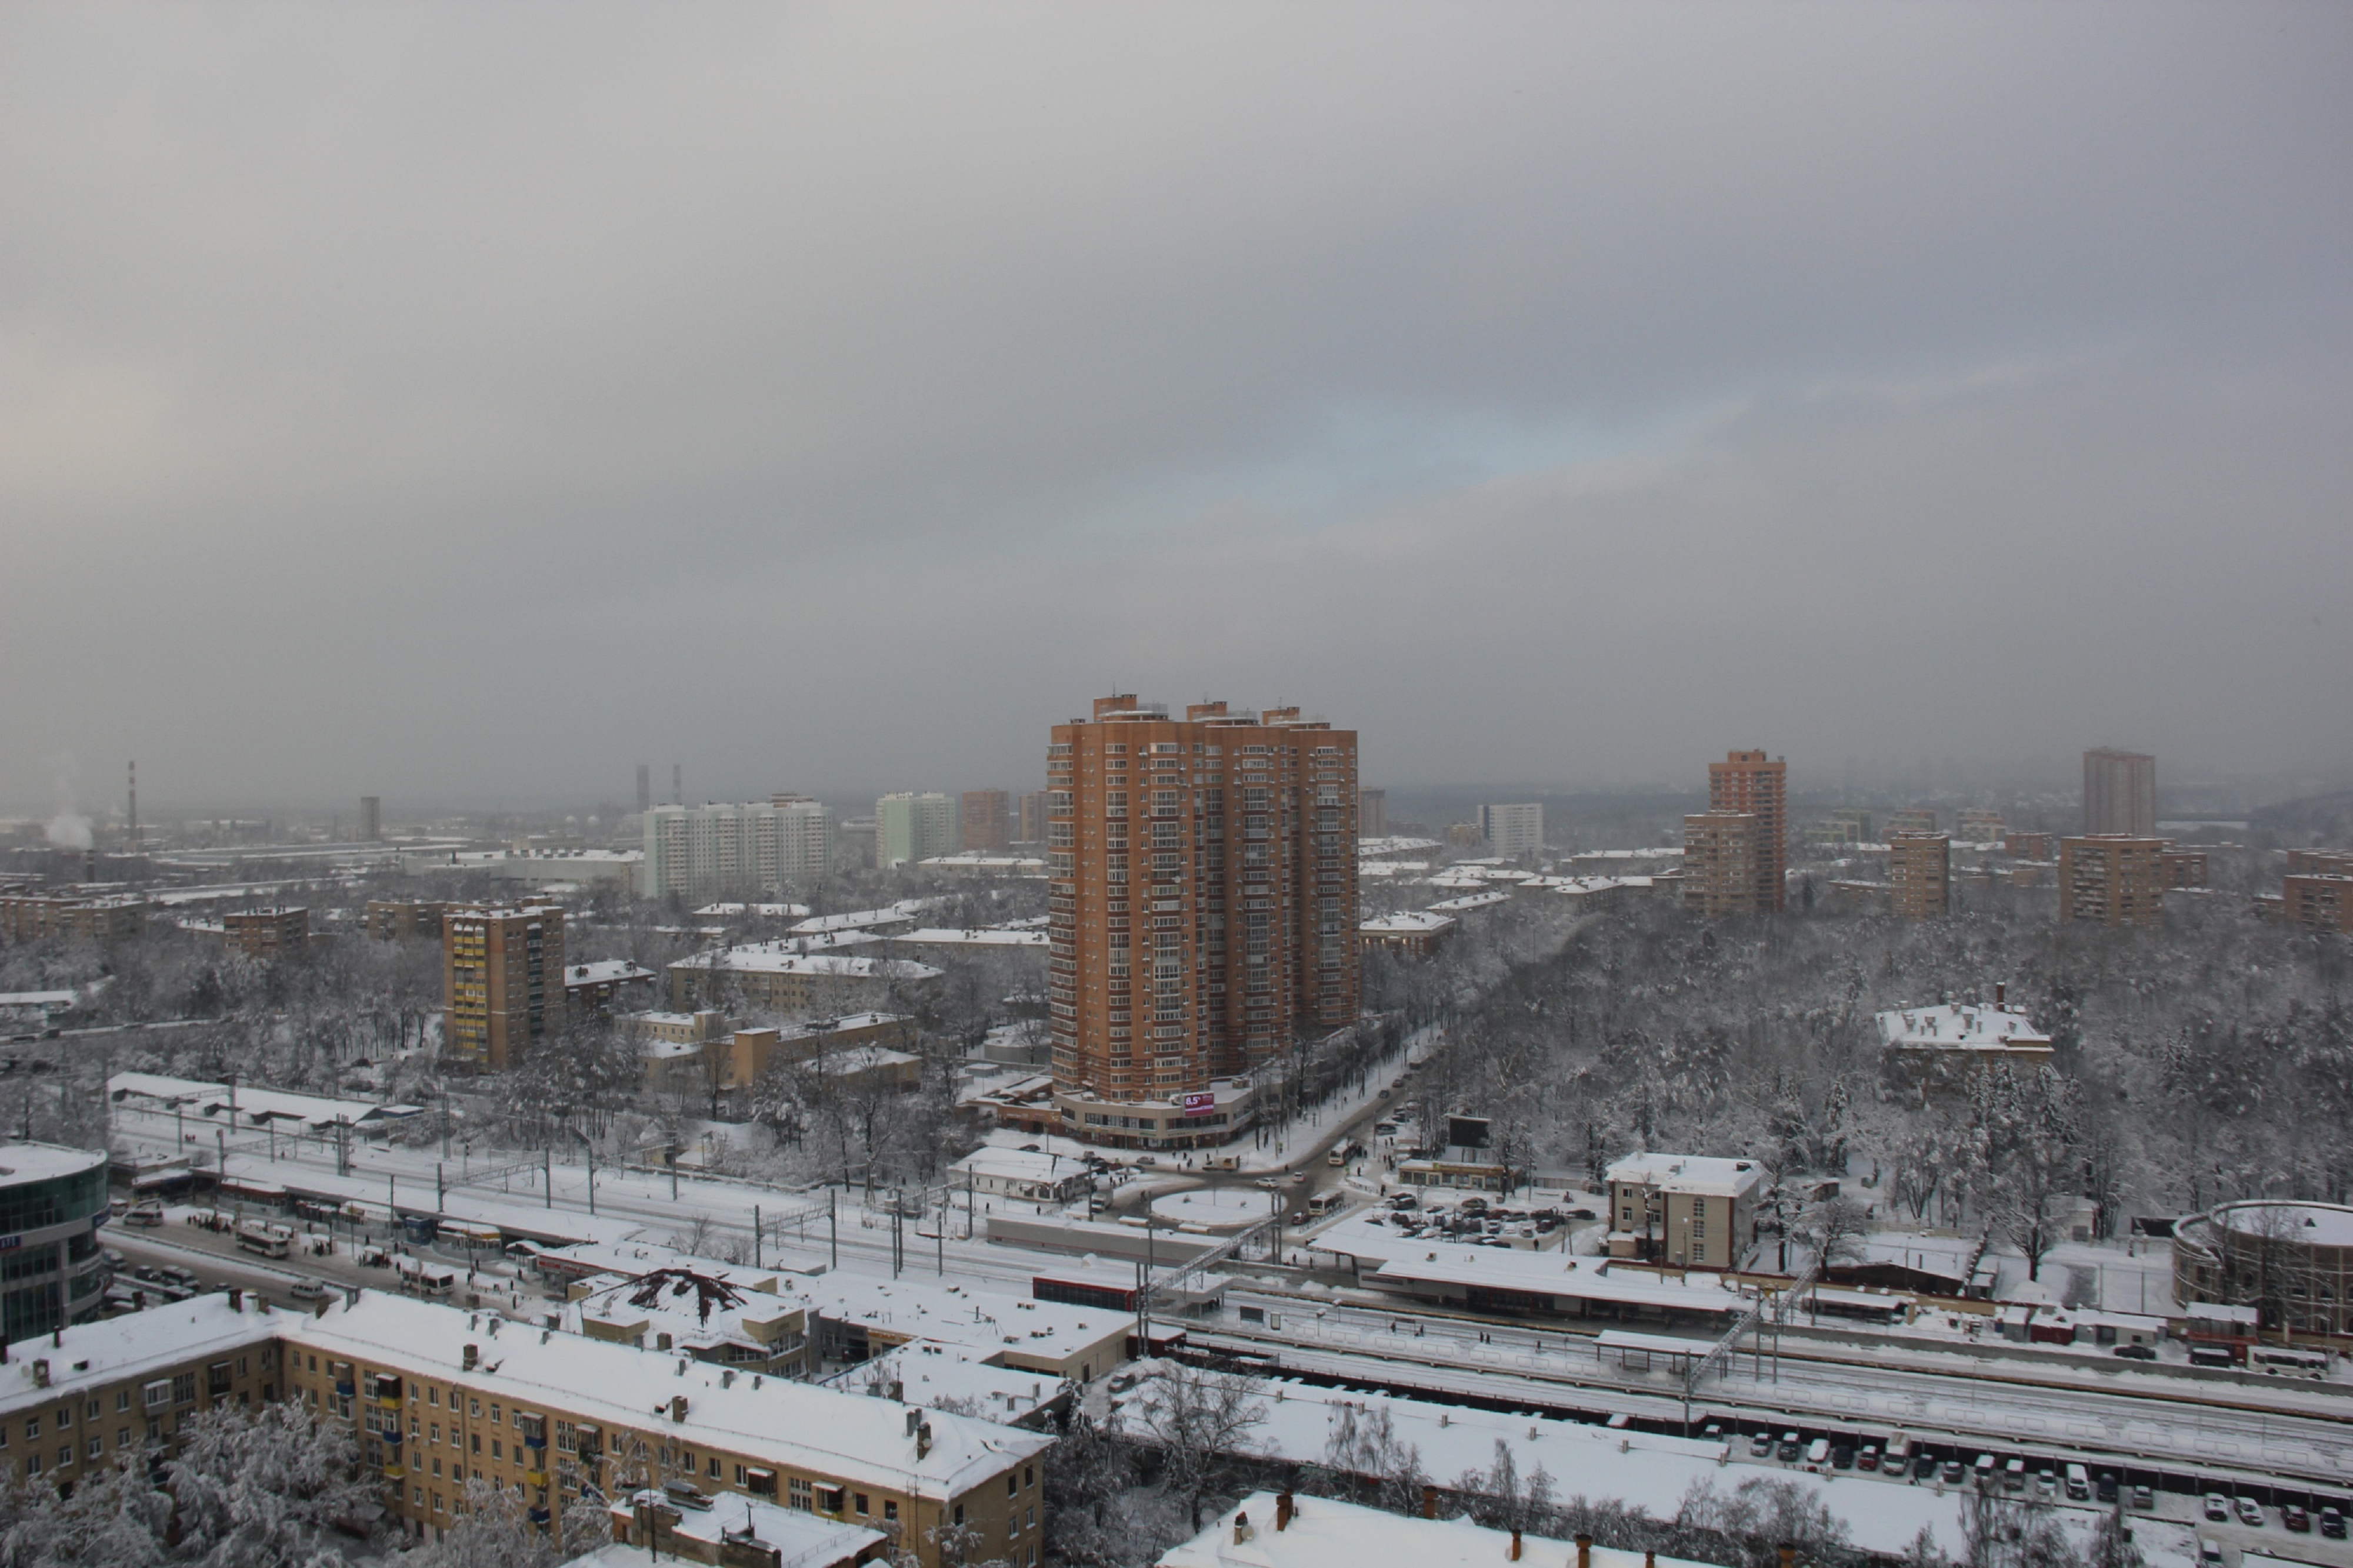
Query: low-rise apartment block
(784, 980)
(399, 919)
(107, 917)
(1683, 1209)
(435, 1396)
(268, 932)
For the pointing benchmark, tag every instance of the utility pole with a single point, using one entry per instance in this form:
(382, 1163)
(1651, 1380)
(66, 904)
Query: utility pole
(756, 1236)
(833, 1224)
(440, 1189)
(547, 1174)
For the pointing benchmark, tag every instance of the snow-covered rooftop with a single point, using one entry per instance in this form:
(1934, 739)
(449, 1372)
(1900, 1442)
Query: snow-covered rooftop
(816, 1428)
(1407, 922)
(1551, 1273)
(603, 971)
(903, 913)
(785, 958)
(1321, 1531)
(952, 1377)
(1700, 1176)
(1471, 901)
(976, 936)
(1959, 1026)
(254, 1103)
(800, 1538)
(87, 1355)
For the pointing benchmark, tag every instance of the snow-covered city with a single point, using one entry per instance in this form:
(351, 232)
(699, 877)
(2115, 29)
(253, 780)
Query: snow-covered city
(1047, 786)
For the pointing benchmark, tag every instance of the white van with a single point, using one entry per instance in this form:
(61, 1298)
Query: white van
(1818, 1453)
(1986, 1466)
(2013, 1476)
(2079, 1484)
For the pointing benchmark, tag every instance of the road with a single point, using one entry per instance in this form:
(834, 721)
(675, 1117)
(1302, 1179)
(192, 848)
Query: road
(2140, 1420)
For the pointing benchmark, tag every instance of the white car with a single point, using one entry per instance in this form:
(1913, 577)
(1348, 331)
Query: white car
(307, 1289)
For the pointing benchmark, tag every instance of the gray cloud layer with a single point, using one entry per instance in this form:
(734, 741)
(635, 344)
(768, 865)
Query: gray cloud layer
(465, 403)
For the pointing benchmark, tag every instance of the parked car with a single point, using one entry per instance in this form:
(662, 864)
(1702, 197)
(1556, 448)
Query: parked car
(1842, 1457)
(2105, 1487)
(1791, 1446)
(2332, 1522)
(1925, 1467)
(1760, 1446)
(307, 1289)
(1955, 1471)
(2137, 1353)
(1868, 1459)
(2217, 1508)
(2251, 1513)
(2294, 1516)
(2144, 1497)
(2209, 1556)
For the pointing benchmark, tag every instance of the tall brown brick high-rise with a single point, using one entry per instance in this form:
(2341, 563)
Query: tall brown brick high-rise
(1747, 783)
(984, 819)
(2119, 792)
(1203, 882)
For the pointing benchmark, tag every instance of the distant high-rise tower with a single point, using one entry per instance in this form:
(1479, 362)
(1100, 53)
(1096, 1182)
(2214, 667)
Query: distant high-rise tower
(1372, 813)
(1202, 883)
(1513, 831)
(1920, 868)
(985, 823)
(1746, 783)
(717, 850)
(2119, 792)
(370, 818)
(910, 827)
(1032, 825)
(677, 784)
(645, 789)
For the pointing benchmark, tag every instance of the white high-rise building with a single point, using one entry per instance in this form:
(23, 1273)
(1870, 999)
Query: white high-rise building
(1512, 831)
(704, 851)
(915, 828)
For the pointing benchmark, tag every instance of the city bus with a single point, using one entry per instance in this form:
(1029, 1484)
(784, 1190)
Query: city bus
(2282, 1361)
(266, 1239)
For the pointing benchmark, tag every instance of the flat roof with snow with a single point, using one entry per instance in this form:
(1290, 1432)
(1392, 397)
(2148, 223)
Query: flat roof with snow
(1959, 1026)
(1319, 1532)
(820, 1429)
(1699, 1175)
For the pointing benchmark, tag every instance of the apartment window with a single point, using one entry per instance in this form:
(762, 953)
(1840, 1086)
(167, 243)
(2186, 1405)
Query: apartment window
(860, 1500)
(889, 1508)
(122, 1400)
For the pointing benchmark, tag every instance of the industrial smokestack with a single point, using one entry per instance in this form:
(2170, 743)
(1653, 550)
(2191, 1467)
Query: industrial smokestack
(645, 788)
(677, 784)
(134, 807)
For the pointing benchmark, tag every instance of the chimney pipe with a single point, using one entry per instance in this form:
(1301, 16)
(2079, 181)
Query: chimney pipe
(2000, 989)
(1283, 1508)
(1651, 1558)
(235, 1300)
(1513, 1554)
(473, 1355)
(1429, 1501)
(1585, 1551)
(1241, 1528)
(1789, 1557)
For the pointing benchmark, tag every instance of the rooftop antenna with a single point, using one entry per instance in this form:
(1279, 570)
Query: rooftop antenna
(134, 807)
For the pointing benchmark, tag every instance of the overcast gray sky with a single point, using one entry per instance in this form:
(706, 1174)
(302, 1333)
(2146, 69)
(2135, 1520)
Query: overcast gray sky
(465, 403)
